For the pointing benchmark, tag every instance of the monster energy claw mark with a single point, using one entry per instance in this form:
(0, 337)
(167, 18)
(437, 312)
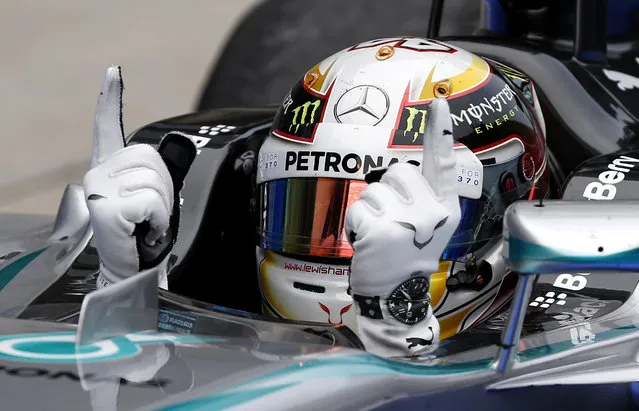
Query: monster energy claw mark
(301, 118)
(410, 122)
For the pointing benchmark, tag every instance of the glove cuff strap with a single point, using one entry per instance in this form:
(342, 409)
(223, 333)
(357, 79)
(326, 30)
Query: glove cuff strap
(369, 306)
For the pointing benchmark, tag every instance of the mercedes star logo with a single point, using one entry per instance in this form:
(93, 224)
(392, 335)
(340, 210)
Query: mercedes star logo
(366, 105)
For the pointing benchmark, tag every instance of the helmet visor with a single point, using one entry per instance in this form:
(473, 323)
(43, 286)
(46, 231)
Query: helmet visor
(306, 216)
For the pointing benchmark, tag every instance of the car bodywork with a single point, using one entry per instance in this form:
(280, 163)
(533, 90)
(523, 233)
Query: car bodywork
(110, 351)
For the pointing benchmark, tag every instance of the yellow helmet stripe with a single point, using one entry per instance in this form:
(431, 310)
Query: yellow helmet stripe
(473, 77)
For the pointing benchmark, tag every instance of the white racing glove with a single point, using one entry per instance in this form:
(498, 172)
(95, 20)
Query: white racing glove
(398, 229)
(132, 192)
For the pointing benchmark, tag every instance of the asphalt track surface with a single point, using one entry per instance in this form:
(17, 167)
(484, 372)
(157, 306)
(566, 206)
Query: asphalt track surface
(53, 57)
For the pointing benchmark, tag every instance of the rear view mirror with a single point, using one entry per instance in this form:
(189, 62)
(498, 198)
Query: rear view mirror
(564, 236)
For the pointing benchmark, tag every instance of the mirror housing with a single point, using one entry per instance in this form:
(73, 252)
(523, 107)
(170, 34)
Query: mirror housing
(569, 236)
(563, 236)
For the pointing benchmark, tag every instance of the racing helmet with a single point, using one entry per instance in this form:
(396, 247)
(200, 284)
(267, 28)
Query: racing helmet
(350, 117)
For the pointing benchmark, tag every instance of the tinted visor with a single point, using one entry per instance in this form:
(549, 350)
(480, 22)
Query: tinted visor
(306, 216)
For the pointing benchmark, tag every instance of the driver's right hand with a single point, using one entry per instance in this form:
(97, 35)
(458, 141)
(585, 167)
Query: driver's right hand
(131, 193)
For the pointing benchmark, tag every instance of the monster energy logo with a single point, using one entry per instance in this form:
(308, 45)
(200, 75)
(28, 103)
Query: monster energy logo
(300, 113)
(413, 114)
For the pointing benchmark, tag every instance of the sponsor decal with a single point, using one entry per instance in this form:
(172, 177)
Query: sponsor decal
(176, 322)
(302, 109)
(328, 161)
(302, 118)
(495, 108)
(582, 334)
(573, 309)
(587, 309)
(200, 142)
(343, 311)
(469, 169)
(549, 299)
(288, 100)
(487, 114)
(364, 105)
(407, 43)
(624, 81)
(412, 126)
(60, 347)
(590, 308)
(316, 269)
(605, 188)
(299, 123)
(415, 113)
(215, 130)
(470, 177)
(268, 161)
(416, 341)
(571, 282)
(331, 161)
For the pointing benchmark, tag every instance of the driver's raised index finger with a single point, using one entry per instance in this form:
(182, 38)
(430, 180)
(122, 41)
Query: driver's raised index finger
(438, 162)
(108, 131)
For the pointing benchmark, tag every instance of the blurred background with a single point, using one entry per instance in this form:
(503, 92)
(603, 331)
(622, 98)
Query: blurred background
(176, 57)
(54, 54)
